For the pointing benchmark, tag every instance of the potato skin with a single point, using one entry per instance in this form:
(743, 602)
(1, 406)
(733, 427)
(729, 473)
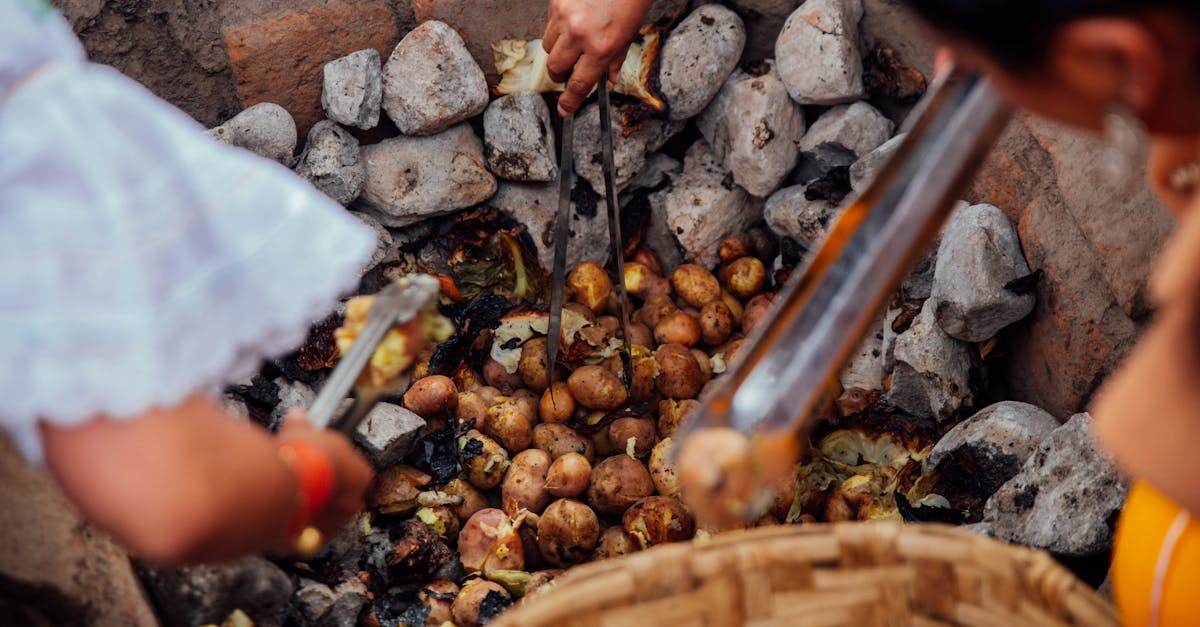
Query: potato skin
(744, 277)
(466, 607)
(524, 486)
(432, 396)
(533, 366)
(647, 258)
(639, 432)
(662, 468)
(558, 440)
(679, 376)
(568, 476)
(394, 491)
(645, 371)
(658, 520)
(538, 581)
(617, 483)
(496, 376)
(716, 323)
(695, 285)
(640, 335)
(595, 387)
(590, 285)
(705, 364)
(558, 407)
(567, 532)
(735, 248)
(510, 421)
(641, 281)
(472, 408)
(484, 463)
(678, 328)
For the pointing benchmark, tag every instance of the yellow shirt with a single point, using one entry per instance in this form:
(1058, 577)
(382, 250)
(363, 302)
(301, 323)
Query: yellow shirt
(1156, 565)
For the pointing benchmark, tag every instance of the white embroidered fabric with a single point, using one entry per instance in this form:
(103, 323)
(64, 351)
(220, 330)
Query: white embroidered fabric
(140, 260)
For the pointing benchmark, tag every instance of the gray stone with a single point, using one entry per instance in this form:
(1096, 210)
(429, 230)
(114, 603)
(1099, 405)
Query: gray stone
(762, 128)
(918, 285)
(629, 152)
(384, 242)
(858, 126)
(518, 140)
(207, 594)
(292, 394)
(711, 121)
(536, 207)
(865, 169)
(413, 178)
(991, 446)
(235, 407)
(313, 599)
(931, 374)
(388, 434)
(660, 238)
(705, 207)
(1066, 497)
(265, 129)
(353, 90)
(865, 370)
(660, 170)
(822, 161)
(818, 53)
(349, 598)
(790, 214)
(332, 162)
(979, 257)
(697, 57)
(431, 83)
(764, 20)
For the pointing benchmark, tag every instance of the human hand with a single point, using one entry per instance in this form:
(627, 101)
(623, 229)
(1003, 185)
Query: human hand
(351, 473)
(586, 37)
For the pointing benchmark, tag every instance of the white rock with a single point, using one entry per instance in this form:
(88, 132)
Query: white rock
(790, 214)
(763, 127)
(697, 57)
(859, 127)
(536, 207)
(413, 178)
(992, 445)
(705, 207)
(266, 129)
(865, 169)
(818, 54)
(431, 82)
(384, 242)
(388, 434)
(353, 89)
(292, 394)
(931, 376)
(865, 370)
(980, 254)
(332, 162)
(518, 140)
(711, 121)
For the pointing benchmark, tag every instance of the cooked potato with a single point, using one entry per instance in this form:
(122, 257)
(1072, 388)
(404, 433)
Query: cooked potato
(766, 245)
(716, 323)
(744, 277)
(595, 387)
(533, 367)
(583, 311)
(439, 597)
(432, 397)
(717, 476)
(568, 476)
(678, 328)
(640, 335)
(647, 258)
(617, 483)
(498, 377)
(524, 486)
(558, 407)
(510, 421)
(679, 375)
(567, 532)
(479, 602)
(466, 379)
(655, 308)
(489, 541)
(540, 581)
(725, 358)
(645, 371)
(758, 311)
(642, 281)
(611, 325)
(590, 285)
(533, 554)
(735, 248)
(615, 542)
(558, 440)
(395, 490)
(472, 499)
(705, 363)
(662, 468)
(657, 520)
(695, 285)
(633, 436)
(483, 460)
(472, 409)
(442, 520)
(735, 307)
(672, 414)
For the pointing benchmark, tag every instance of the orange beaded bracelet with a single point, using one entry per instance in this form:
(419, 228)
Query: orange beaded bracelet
(314, 473)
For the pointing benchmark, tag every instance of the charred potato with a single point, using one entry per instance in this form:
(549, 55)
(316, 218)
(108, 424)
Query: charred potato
(595, 387)
(483, 460)
(558, 440)
(567, 532)
(617, 483)
(678, 328)
(439, 597)
(479, 602)
(695, 285)
(679, 375)
(716, 323)
(524, 486)
(590, 285)
(489, 541)
(657, 520)
(744, 277)
(557, 407)
(432, 396)
(568, 476)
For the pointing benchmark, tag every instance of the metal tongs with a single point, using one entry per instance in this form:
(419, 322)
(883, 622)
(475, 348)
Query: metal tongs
(396, 304)
(824, 311)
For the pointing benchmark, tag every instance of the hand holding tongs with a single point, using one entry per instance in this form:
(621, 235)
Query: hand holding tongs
(824, 310)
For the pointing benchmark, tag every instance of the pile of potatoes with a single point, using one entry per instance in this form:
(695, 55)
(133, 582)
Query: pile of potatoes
(558, 475)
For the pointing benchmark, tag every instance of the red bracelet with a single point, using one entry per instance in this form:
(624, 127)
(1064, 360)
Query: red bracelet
(314, 473)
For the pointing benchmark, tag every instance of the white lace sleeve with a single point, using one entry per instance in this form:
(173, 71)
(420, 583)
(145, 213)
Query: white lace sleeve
(141, 261)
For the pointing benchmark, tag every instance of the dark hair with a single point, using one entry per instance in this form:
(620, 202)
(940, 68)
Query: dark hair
(1018, 33)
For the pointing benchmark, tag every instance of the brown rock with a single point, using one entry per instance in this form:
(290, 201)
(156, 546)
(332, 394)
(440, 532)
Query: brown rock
(280, 58)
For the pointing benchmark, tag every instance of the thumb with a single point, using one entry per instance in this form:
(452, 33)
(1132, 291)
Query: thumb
(295, 420)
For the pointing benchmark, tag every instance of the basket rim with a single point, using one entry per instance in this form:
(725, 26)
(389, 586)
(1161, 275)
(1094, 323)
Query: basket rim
(1037, 570)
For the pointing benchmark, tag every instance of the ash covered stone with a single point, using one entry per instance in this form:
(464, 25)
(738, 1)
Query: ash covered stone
(431, 83)
(536, 207)
(931, 373)
(518, 139)
(292, 395)
(331, 161)
(865, 169)
(388, 434)
(266, 129)
(384, 242)
(630, 147)
(859, 127)
(353, 89)
(818, 53)
(790, 213)
(410, 179)
(980, 255)
(705, 206)
(761, 131)
(697, 57)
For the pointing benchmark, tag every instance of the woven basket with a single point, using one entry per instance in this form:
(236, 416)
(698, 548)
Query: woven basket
(819, 575)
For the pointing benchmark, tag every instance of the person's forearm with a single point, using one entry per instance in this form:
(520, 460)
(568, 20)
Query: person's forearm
(185, 484)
